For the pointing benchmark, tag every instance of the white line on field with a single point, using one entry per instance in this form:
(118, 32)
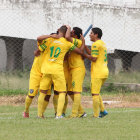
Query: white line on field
(14, 113)
(7, 118)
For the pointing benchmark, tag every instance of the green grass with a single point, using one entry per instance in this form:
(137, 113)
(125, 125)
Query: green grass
(8, 92)
(14, 80)
(17, 82)
(14, 83)
(124, 77)
(120, 124)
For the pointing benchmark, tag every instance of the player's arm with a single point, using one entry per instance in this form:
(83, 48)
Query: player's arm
(37, 52)
(68, 34)
(41, 38)
(91, 58)
(66, 56)
(41, 47)
(40, 42)
(94, 53)
(81, 49)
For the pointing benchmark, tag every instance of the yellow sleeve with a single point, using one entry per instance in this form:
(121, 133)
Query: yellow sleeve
(71, 46)
(77, 42)
(42, 46)
(95, 50)
(38, 43)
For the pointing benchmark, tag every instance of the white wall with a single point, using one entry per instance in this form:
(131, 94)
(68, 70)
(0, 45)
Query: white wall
(31, 18)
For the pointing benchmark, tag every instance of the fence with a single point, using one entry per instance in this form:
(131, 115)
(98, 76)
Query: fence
(21, 23)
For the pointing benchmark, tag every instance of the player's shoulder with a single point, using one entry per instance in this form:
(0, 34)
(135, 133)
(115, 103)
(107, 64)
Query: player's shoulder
(95, 45)
(77, 42)
(102, 44)
(98, 44)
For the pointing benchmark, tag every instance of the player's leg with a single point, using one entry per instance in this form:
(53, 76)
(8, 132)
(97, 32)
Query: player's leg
(46, 100)
(76, 104)
(55, 101)
(34, 83)
(95, 90)
(67, 75)
(60, 87)
(78, 75)
(103, 112)
(80, 109)
(65, 105)
(101, 104)
(69, 87)
(45, 84)
(61, 102)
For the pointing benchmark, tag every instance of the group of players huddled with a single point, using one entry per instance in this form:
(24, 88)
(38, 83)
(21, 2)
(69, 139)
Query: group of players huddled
(59, 65)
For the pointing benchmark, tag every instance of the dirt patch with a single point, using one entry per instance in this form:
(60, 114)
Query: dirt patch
(119, 101)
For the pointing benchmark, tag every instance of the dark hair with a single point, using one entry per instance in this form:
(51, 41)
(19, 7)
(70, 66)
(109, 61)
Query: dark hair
(77, 31)
(63, 29)
(98, 31)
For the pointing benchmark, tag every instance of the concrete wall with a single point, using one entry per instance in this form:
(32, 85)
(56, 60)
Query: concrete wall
(3, 55)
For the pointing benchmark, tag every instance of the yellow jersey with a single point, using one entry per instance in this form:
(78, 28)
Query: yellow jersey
(99, 68)
(54, 55)
(75, 60)
(37, 63)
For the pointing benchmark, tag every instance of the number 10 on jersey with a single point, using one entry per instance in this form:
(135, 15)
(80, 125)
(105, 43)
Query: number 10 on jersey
(55, 53)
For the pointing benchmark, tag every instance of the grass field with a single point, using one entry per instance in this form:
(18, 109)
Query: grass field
(120, 124)
(17, 83)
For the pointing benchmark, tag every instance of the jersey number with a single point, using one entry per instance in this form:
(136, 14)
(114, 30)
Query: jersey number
(105, 56)
(56, 53)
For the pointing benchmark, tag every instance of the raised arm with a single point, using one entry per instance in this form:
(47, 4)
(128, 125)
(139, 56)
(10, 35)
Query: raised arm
(81, 49)
(41, 38)
(68, 34)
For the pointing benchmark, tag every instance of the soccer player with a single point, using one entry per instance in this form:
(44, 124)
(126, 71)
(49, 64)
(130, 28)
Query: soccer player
(99, 70)
(35, 77)
(66, 73)
(52, 69)
(77, 72)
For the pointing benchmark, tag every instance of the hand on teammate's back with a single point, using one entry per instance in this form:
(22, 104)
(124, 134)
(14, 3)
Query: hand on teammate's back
(37, 52)
(92, 58)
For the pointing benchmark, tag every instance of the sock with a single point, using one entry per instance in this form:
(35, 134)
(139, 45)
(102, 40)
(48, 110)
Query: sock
(45, 104)
(55, 102)
(80, 109)
(101, 104)
(61, 102)
(96, 105)
(28, 102)
(40, 104)
(76, 104)
(65, 105)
